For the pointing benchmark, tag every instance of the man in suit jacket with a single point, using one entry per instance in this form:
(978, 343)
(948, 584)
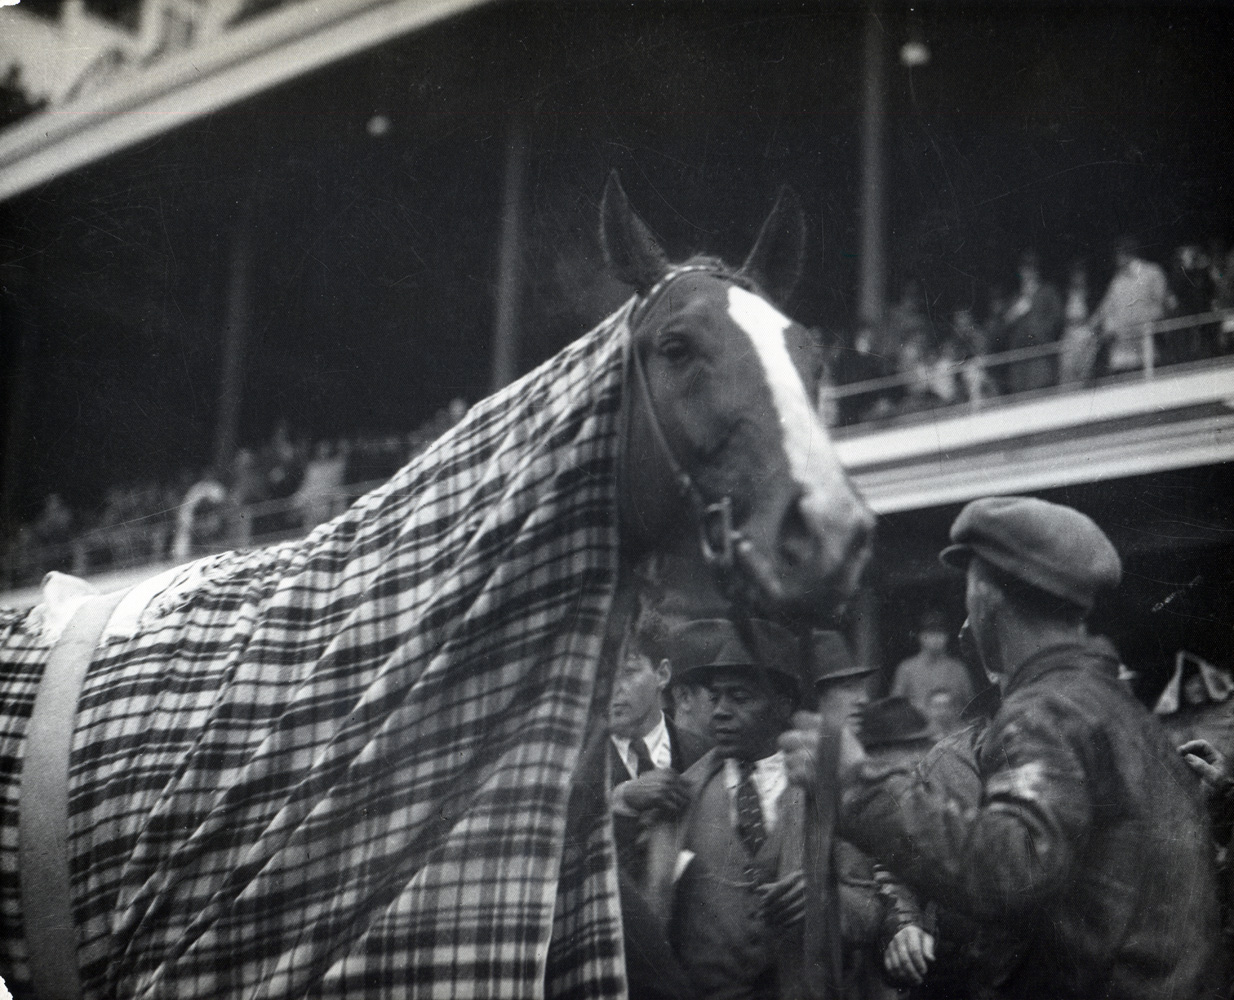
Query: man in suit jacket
(738, 912)
(646, 755)
(647, 751)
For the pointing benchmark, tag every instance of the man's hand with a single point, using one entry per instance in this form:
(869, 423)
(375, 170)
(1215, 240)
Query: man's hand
(784, 902)
(1215, 769)
(909, 954)
(661, 791)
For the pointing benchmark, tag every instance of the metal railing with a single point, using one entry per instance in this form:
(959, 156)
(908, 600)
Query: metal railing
(170, 535)
(1207, 325)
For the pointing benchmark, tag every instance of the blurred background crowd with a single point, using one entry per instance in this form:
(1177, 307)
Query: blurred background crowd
(1039, 330)
(1035, 333)
(284, 487)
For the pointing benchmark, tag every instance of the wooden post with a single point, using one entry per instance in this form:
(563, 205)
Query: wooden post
(509, 272)
(873, 265)
(235, 341)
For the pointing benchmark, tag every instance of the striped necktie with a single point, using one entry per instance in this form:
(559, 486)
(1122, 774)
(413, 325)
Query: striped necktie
(750, 826)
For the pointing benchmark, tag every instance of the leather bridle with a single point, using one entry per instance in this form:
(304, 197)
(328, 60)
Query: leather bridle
(725, 549)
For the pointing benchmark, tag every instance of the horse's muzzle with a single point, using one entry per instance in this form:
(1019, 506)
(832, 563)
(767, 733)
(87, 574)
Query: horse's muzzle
(808, 561)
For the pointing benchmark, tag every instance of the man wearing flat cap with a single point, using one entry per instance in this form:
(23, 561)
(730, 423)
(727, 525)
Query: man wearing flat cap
(738, 908)
(1087, 838)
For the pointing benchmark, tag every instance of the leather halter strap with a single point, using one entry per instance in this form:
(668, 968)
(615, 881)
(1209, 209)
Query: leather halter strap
(724, 547)
(43, 805)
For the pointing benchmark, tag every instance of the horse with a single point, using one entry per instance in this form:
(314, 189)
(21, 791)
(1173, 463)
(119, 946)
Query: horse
(342, 764)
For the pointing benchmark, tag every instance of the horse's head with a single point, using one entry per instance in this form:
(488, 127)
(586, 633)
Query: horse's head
(722, 424)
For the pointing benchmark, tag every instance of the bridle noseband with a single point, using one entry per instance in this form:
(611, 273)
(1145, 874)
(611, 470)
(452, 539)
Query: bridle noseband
(726, 550)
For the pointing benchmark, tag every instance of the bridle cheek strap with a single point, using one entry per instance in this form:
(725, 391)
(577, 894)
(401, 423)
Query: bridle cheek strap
(717, 536)
(725, 549)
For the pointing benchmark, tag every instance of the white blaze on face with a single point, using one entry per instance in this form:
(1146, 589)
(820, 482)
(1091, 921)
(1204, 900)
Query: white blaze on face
(806, 444)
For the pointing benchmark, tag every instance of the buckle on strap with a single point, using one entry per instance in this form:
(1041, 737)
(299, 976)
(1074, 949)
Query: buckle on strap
(718, 554)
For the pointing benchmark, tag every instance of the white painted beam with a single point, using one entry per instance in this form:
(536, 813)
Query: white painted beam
(1091, 437)
(243, 61)
(1210, 382)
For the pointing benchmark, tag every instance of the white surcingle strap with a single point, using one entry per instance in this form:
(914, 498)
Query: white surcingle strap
(43, 825)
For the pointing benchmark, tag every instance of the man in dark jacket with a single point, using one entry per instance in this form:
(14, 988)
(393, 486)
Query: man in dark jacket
(647, 754)
(937, 952)
(1089, 841)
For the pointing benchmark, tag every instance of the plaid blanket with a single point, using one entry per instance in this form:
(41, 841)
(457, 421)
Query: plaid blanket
(340, 766)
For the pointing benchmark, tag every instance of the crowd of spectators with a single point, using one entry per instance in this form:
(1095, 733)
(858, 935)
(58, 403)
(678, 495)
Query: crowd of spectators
(1033, 337)
(1010, 821)
(287, 485)
(1029, 338)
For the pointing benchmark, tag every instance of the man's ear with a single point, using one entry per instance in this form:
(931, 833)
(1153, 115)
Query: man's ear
(664, 673)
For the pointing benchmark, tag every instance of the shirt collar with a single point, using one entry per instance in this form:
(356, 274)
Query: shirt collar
(658, 745)
(770, 779)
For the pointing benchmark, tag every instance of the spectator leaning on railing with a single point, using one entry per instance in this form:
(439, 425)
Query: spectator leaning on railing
(1034, 318)
(1077, 352)
(1136, 296)
(1190, 294)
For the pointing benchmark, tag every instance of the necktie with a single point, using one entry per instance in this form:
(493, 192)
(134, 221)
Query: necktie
(642, 757)
(749, 813)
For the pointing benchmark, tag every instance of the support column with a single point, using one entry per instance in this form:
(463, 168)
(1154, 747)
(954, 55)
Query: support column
(506, 340)
(235, 341)
(873, 270)
(865, 619)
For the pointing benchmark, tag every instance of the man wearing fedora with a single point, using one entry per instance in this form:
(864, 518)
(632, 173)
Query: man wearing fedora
(841, 686)
(935, 951)
(1088, 840)
(842, 692)
(738, 908)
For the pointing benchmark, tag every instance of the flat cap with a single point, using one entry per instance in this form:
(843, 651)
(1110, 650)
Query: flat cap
(709, 644)
(1049, 546)
(830, 658)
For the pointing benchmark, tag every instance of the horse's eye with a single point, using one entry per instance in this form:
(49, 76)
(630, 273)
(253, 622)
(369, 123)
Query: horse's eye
(675, 348)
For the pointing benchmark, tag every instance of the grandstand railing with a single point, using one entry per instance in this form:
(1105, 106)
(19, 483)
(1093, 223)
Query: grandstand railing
(168, 536)
(1216, 326)
(164, 537)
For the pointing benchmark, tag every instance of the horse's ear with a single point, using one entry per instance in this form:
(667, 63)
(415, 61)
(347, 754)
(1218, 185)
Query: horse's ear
(776, 262)
(633, 254)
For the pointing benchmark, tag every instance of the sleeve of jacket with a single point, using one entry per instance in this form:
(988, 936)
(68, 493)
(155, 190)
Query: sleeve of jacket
(899, 908)
(860, 909)
(1004, 854)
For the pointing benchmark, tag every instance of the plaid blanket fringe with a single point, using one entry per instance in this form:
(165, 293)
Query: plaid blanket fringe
(340, 766)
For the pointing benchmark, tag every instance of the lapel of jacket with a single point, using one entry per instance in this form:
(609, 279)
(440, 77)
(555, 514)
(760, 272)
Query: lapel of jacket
(665, 840)
(674, 745)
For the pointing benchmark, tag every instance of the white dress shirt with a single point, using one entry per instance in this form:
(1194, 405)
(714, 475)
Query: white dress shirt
(658, 747)
(770, 781)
